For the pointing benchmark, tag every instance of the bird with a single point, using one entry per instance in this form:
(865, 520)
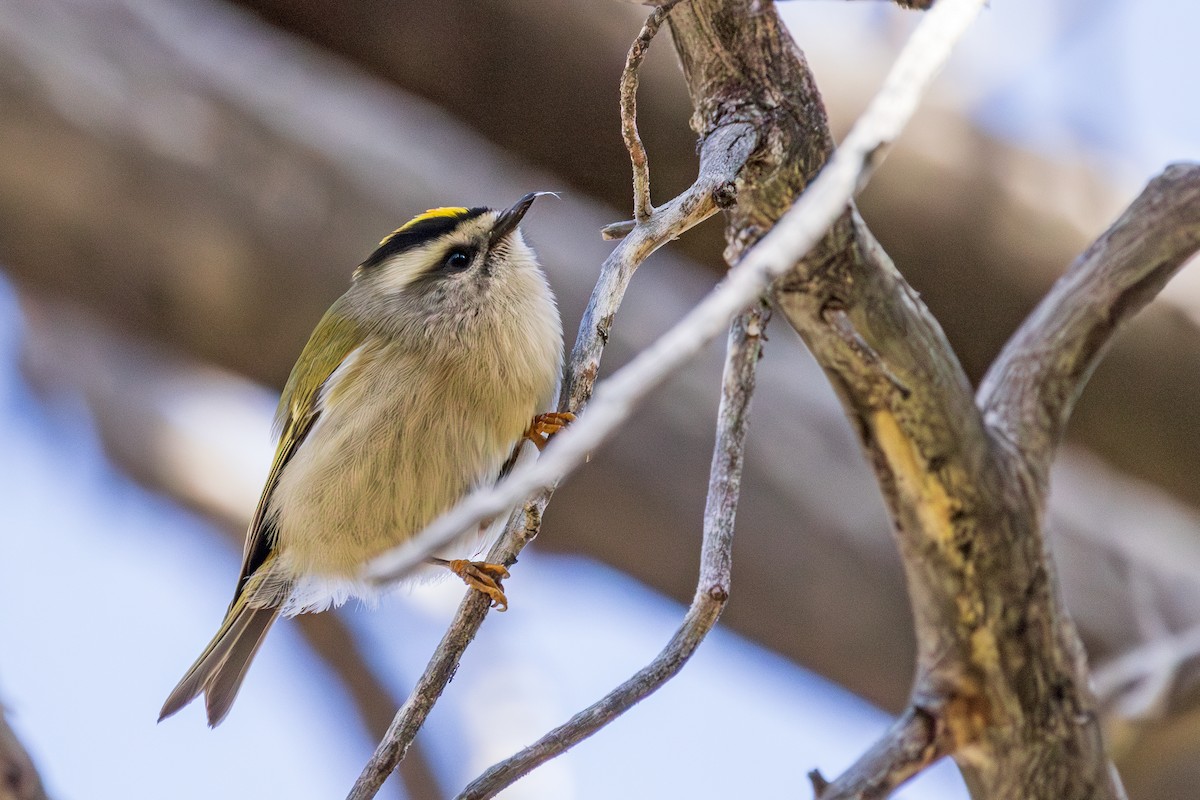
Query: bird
(420, 383)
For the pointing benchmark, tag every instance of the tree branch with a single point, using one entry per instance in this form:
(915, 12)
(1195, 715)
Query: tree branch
(712, 588)
(1031, 389)
(642, 208)
(411, 716)
(334, 643)
(724, 151)
(912, 743)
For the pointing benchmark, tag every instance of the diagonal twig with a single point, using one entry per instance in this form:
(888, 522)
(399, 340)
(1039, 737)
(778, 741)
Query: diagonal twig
(429, 687)
(642, 209)
(912, 743)
(1030, 390)
(712, 588)
(332, 641)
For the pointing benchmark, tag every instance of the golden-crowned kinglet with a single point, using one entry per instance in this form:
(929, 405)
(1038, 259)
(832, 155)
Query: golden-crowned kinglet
(418, 385)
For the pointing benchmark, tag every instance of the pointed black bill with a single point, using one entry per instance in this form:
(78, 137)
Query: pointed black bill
(508, 220)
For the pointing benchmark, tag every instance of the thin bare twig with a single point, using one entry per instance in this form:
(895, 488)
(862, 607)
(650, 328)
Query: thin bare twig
(712, 588)
(1030, 390)
(910, 745)
(777, 253)
(429, 687)
(642, 209)
(720, 160)
(333, 642)
(718, 166)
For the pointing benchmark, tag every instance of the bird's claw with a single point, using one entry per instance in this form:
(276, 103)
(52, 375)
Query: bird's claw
(546, 425)
(483, 577)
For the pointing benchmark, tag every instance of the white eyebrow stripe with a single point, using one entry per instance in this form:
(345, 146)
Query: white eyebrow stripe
(400, 271)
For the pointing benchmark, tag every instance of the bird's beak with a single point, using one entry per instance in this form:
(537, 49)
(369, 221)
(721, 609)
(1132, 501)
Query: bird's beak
(508, 220)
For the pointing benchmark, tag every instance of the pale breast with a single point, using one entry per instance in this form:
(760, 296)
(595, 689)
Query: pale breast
(403, 435)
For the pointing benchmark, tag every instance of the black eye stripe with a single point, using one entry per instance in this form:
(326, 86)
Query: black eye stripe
(424, 231)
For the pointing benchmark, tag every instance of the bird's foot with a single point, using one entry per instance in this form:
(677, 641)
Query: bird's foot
(483, 577)
(546, 425)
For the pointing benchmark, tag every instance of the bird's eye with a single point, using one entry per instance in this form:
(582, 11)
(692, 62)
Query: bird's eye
(457, 260)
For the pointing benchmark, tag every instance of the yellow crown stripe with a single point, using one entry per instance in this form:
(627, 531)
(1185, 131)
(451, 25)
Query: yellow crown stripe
(433, 213)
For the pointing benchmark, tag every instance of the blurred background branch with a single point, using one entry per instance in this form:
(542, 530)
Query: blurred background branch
(19, 779)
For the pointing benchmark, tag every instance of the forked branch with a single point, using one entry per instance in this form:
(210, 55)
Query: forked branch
(999, 672)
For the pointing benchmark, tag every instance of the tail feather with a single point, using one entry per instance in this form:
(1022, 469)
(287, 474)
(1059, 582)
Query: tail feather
(220, 669)
(221, 690)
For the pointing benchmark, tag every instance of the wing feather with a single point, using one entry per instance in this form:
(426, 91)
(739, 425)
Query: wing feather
(330, 344)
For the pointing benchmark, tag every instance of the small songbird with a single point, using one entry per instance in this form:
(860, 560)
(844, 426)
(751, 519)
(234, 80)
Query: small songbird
(418, 385)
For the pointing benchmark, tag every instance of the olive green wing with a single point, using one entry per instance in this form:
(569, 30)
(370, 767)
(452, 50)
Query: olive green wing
(334, 338)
